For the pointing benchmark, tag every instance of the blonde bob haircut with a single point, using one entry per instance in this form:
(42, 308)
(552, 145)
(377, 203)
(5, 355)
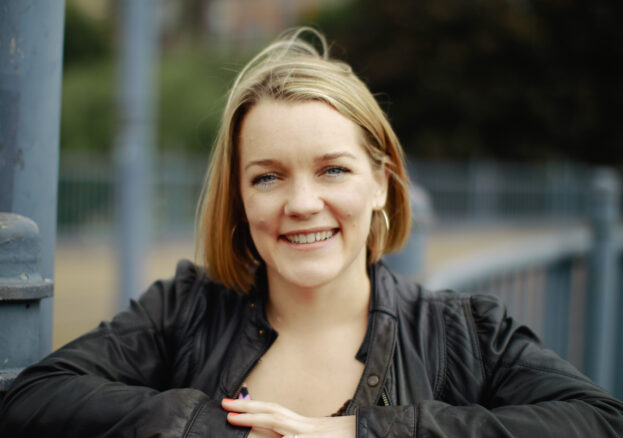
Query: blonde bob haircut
(293, 70)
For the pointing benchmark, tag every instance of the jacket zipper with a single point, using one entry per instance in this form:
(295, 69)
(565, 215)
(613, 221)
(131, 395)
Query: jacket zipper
(385, 399)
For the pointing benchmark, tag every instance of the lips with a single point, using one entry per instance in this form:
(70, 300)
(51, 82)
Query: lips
(312, 237)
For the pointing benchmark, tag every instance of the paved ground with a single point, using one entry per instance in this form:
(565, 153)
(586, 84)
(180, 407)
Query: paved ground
(85, 277)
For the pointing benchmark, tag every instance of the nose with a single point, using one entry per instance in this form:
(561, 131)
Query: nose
(303, 199)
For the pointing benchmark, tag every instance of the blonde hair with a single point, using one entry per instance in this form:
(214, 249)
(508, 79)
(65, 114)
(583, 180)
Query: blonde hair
(293, 70)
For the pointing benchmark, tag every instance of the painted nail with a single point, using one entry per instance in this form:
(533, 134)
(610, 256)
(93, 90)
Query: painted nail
(228, 400)
(233, 414)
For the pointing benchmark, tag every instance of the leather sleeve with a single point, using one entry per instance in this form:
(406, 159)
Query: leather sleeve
(499, 382)
(115, 380)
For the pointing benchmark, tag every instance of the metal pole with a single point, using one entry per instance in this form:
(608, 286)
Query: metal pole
(21, 289)
(31, 47)
(134, 154)
(618, 391)
(601, 305)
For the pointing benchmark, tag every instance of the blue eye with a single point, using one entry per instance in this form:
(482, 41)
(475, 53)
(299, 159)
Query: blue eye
(336, 171)
(264, 180)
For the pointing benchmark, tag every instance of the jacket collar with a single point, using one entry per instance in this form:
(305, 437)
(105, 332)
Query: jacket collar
(384, 283)
(380, 340)
(377, 349)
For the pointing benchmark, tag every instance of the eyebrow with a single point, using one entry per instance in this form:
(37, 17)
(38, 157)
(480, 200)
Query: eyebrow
(335, 155)
(323, 158)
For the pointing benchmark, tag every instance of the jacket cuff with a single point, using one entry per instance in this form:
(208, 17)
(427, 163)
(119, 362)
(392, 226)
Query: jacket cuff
(210, 420)
(386, 421)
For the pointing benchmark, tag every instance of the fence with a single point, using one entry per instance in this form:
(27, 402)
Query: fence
(565, 283)
(473, 192)
(484, 191)
(87, 201)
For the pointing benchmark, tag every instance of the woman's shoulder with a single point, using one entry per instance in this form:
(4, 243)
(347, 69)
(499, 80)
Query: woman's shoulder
(192, 279)
(189, 295)
(451, 311)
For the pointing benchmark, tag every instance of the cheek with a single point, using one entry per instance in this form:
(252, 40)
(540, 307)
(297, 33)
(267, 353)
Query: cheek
(260, 213)
(354, 205)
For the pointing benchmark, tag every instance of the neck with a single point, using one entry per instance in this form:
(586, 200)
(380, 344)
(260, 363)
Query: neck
(345, 300)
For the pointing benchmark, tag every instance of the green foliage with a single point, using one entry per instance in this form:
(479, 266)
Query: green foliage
(193, 86)
(192, 82)
(87, 117)
(85, 39)
(525, 80)
(88, 106)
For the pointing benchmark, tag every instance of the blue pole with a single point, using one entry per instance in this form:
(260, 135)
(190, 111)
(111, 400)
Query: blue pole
(601, 305)
(31, 48)
(134, 154)
(618, 392)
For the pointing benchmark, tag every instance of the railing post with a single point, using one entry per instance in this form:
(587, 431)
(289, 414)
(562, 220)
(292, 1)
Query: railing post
(601, 305)
(134, 154)
(31, 65)
(485, 191)
(410, 261)
(618, 390)
(21, 289)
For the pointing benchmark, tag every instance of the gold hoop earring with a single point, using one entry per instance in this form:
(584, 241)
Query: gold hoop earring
(386, 218)
(383, 236)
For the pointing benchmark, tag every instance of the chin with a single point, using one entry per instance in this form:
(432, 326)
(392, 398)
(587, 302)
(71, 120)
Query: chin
(309, 277)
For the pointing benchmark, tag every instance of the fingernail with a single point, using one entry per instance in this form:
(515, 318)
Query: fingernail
(233, 414)
(228, 400)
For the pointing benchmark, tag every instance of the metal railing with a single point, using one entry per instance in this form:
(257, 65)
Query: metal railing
(467, 193)
(475, 191)
(565, 283)
(87, 194)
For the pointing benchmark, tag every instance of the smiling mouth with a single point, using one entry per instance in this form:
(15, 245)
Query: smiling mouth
(306, 238)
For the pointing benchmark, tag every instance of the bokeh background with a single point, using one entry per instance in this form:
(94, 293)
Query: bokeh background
(506, 108)
(511, 80)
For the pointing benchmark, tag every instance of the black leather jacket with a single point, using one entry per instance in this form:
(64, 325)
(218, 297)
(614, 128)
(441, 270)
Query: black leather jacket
(437, 364)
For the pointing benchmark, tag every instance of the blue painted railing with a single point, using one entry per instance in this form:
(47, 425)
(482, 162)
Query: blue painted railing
(565, 282)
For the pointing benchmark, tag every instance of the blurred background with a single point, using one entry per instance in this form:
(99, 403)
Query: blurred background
(509, 111)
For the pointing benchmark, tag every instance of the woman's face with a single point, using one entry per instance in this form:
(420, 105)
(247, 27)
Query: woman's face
(308, 190)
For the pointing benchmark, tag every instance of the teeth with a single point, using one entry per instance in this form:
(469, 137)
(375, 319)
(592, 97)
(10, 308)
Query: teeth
(310, 237)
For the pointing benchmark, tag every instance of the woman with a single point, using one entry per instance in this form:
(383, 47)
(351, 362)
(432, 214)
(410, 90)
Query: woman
(298, 330)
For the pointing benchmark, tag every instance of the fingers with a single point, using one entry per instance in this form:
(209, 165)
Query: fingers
(265, 421)
(264, 415)
(255, 406)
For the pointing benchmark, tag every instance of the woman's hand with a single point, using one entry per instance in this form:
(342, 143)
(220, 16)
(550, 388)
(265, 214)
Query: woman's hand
(271, 420)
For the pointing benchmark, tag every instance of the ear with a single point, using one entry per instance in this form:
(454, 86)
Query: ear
(381, 178)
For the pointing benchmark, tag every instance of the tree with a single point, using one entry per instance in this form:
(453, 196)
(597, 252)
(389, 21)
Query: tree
(520, 79)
